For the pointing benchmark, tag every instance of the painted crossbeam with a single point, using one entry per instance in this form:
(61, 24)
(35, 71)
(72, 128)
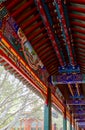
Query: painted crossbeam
(79, 112)
(69, 69)
(80, 120)
(76, 102)
(67, 79)
(79, 117)
(81, 124)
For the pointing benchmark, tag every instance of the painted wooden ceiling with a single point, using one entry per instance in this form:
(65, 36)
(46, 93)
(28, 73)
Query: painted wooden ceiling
(56, 31)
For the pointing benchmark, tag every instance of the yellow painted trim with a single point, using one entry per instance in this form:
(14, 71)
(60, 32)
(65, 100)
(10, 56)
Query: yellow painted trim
(54, 99)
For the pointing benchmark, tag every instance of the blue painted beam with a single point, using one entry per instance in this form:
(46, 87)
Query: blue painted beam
(67, 79)
(68, 26)
(77, 96)
(79, 113)
(69, 69)
(47, 11)
(80, 120)
(62, 27)
(75, 102)
(77, 110)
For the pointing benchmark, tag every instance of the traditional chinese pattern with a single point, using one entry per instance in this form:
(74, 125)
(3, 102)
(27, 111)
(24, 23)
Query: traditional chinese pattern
(16, 37)
(66, 79)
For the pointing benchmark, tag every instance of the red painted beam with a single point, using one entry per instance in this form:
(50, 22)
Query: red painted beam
(12, 4)
(68, 40)
(40, 38)
(54, 72)
(45, 56)
(51, 7)
(83, 68)
(40, 49)
(6, 58)
(47, 63)
(50, 33)
(81, 51)
(40, 44)
(82, 71)
(81, 61)
(49, 1)
(53, 14)
(78, 1)
(41, 30)
(82, 54)
(31, 21)
(11, 47)
(80, 46)
(23, 7)
(48, 58)
(82, 58)
(76, 23)
(30, 30)
(79, 36)
(78, 30)
(18, 70)
(45, 53)
(50, 63)
(52, 69)
(75, 8)
(77, 16)
(82, 65)
(80, 41)
(26, 15)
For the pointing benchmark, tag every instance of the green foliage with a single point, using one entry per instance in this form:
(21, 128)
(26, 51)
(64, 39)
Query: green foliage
(16, 100)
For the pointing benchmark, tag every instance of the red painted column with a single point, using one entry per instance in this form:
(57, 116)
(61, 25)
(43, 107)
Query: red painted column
(37, 126)
(27, 125)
